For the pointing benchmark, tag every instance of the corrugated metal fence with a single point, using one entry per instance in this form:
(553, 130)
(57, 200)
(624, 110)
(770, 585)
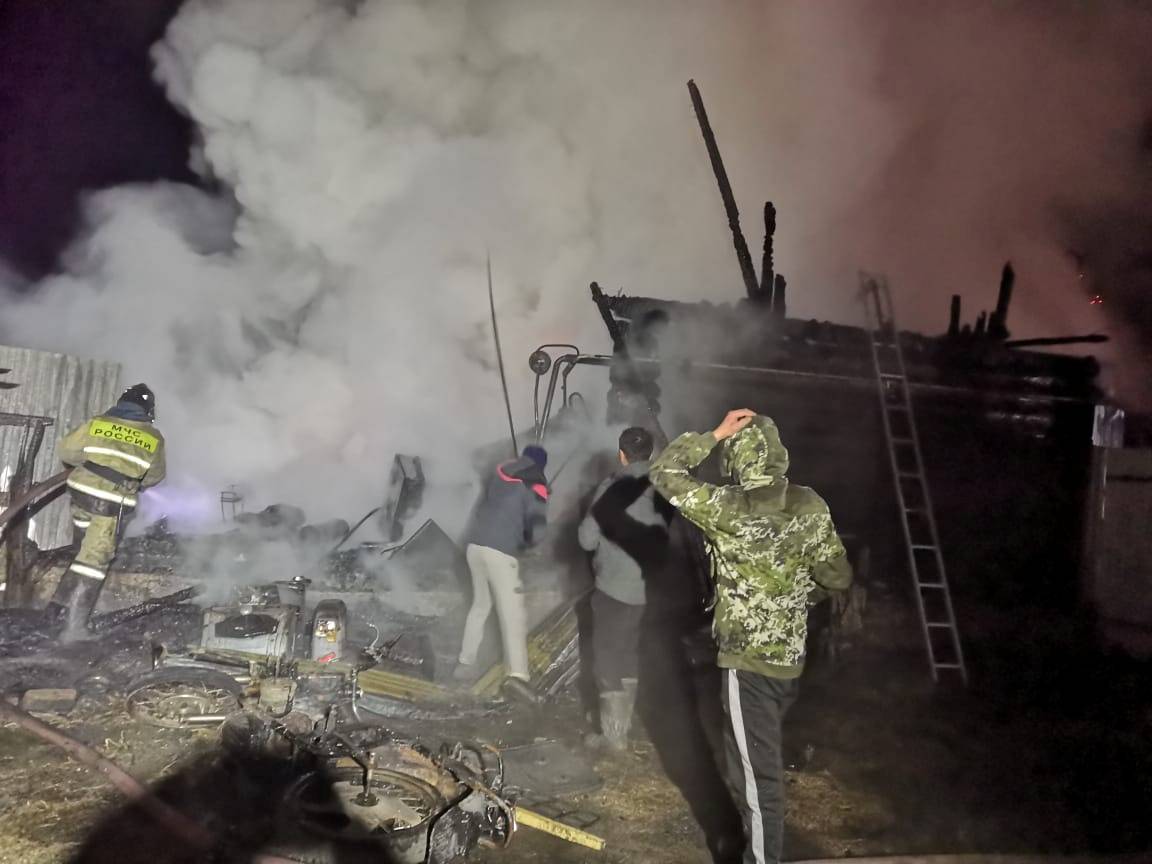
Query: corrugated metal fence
(1119, 547)
(69, 390)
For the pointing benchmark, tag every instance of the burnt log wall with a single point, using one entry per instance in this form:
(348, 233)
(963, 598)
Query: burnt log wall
(1008, 497)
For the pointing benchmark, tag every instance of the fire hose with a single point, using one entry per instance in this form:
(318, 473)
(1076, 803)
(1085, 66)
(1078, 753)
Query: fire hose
(44, 487)
(189, 831)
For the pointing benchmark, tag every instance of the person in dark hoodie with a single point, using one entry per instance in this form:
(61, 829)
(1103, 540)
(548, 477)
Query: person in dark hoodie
(113, 456)
(510, 517)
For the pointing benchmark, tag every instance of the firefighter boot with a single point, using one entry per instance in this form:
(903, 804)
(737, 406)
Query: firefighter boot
(57, 608)
(80, 606)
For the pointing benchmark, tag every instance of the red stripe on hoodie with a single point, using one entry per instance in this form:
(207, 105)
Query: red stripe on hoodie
(539, 488)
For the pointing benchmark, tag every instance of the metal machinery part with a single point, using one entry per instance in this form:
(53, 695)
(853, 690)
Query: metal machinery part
(264, 620)
(393, 808)
(180, 697)
(374, 788)
(329, 631)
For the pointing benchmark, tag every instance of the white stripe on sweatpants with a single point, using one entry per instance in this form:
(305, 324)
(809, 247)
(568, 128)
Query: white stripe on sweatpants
(736, 716)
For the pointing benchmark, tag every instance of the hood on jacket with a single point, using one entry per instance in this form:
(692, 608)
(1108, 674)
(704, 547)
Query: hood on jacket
(755, 456)
(526, 471)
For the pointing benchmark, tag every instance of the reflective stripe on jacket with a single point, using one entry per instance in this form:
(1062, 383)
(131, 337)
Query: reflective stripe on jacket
(114, 458)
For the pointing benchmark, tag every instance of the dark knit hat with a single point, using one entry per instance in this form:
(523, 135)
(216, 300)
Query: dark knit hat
(537, 454)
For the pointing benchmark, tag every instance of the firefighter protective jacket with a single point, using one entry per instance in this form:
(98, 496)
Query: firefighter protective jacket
(114, 458)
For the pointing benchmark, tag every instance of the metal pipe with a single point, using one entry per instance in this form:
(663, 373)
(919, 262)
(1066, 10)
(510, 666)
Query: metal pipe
(179, 824)
(570, 359)
(500, 363)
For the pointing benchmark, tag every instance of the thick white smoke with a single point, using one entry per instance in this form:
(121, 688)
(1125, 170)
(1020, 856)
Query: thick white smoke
(328, 308)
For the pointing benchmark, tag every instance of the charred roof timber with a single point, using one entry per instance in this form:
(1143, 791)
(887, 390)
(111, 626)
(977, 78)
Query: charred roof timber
(755, 335)
(745, 334)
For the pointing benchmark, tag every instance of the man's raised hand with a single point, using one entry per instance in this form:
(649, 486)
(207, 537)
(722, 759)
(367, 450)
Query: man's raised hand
(733, 423)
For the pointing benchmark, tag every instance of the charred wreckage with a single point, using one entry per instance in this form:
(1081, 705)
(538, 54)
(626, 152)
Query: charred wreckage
(284, 674)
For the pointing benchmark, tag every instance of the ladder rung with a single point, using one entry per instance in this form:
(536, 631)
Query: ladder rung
(931, 585)
(915, 510)
(923, 545)
(947, 665)
(894, 376)
(938, 624)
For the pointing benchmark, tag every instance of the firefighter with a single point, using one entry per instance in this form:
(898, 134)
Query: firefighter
(774, 550)
(113, 456)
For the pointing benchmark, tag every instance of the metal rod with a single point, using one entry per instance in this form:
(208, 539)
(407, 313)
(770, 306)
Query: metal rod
(500, 363)
(743, 256)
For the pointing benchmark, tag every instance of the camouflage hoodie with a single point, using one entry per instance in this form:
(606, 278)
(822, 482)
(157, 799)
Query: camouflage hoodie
(772, 545)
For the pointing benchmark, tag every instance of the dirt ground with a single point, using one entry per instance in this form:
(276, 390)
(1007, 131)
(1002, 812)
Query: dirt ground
(1047, 751)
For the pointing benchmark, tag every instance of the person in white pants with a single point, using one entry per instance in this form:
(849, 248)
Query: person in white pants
(496, 577)
(510, 517)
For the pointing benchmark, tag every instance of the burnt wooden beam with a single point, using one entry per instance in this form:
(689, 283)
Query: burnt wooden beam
(998, 322)
(767, 265)
(780, 296)
(743, 256)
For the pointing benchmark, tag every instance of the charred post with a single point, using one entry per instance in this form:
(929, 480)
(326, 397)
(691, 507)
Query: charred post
(779, 296)
(1087, 339)
(998, 323)
(954, 317)
(767, 265)
(600, 299)
(743, 256)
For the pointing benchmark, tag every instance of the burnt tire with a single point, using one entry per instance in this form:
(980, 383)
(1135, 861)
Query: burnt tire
(169, 697)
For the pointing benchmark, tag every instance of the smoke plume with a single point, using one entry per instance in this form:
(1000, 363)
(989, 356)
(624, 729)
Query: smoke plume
(326, 307)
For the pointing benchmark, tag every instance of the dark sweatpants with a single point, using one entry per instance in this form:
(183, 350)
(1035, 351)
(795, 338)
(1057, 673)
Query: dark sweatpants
(615, 641)
(754, 708)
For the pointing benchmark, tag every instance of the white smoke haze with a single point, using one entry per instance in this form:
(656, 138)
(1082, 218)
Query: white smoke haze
(329, 309)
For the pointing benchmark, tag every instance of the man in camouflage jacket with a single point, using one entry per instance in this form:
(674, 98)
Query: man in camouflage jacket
(773, 550)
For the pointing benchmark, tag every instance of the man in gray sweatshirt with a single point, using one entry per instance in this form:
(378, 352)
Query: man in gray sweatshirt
(626, 532)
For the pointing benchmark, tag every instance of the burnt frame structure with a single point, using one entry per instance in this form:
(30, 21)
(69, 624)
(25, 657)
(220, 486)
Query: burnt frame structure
(1006, 431)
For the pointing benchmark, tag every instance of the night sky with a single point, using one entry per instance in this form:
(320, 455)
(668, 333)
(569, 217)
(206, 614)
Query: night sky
(78, 111)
